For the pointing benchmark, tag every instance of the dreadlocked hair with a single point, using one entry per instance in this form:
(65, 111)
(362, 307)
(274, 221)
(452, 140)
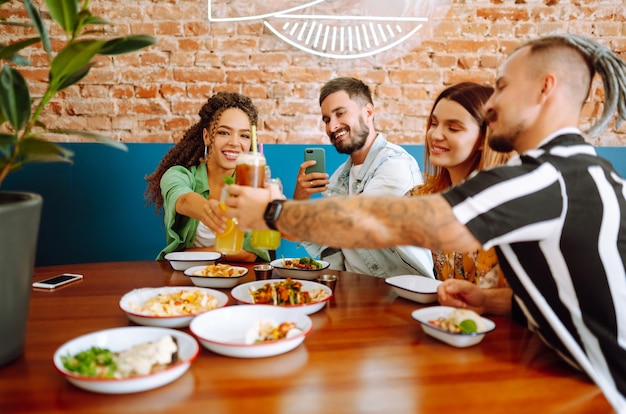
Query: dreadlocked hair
(600, 59)
(190, 150)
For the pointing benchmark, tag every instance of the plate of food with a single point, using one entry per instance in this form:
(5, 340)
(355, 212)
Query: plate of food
(457, 327)
(251, 331)
(417, 288)
(302, 295)
(185, 260)
(170, 306)
(304, 268)
(126, 360)
(216, 275)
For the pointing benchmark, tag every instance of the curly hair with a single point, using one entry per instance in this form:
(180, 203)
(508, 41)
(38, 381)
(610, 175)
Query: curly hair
(190, 149)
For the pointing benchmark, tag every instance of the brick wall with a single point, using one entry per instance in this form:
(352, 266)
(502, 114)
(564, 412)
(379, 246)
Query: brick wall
(154, 95)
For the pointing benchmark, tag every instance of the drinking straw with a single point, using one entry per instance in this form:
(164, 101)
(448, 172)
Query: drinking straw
(254, 149)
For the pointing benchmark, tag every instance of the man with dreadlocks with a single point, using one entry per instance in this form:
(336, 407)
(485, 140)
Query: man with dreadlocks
(556, 214)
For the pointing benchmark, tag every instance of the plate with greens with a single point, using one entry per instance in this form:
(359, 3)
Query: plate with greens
(126, 360)
(305, 268)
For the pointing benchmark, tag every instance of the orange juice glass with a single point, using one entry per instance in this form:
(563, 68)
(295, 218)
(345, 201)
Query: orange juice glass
(231, 240)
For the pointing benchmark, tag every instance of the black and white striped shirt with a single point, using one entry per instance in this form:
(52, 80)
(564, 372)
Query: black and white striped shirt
(557, 216)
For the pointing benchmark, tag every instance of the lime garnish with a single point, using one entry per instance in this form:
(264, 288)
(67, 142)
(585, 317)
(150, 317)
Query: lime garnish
(228, 180)
(468, 326)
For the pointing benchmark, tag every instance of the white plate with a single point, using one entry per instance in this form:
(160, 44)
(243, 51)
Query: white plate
(140, 296)
(223, 331)
(185, 260)
(460, 340)
(242, 294)
(219, 282)
(419, 289)
(302, 274)
(121, 339)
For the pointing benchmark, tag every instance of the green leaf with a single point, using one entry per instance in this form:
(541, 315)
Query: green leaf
(34, 149)
(99, 138)
(127, 44)
(71, 59)
(86, 18)
(6, 143)
(65, 13)
(8, 51)
(14, 98)
(76, 76)
(35, 18)
(95, 20)
(19, 60)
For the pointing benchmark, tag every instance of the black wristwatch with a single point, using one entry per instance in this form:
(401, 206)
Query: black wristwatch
(272, 211)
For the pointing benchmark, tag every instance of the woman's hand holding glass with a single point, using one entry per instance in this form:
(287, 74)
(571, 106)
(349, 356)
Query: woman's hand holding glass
(213, 217)
(230, 239)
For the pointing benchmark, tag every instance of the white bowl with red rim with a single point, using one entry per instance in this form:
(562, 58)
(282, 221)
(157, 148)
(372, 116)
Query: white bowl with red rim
(225, 331)
(132, 302)
(320, 294)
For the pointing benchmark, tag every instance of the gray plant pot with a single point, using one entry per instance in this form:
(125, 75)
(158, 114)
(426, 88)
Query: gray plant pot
(19, 225)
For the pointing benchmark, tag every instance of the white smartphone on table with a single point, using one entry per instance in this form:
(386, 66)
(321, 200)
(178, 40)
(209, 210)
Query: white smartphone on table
(56, 281)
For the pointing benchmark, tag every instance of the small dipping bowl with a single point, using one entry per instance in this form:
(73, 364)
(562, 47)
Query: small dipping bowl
(328, 280)
(263, 271)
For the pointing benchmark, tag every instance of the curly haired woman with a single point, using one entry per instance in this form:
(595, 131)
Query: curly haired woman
(190, 177)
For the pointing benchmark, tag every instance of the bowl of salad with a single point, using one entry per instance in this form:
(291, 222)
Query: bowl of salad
(457, 327)
(250, 331)
(303, 268)
(301, 295)
(126, 360)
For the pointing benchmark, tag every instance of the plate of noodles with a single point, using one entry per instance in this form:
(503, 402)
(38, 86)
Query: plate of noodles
(170, 306)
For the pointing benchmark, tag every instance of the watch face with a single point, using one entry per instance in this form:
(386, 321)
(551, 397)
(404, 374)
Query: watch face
(272, 212)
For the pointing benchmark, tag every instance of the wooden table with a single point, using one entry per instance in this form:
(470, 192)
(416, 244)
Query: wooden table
(365, 355)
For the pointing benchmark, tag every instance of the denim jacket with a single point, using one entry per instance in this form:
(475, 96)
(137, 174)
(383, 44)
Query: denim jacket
(388, 170)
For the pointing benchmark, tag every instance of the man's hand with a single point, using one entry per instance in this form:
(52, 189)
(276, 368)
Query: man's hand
(461, 294)
(247, 205)
(466, 295)
(309, 184)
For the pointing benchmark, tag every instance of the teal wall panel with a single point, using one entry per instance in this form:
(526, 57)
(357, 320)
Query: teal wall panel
(94, 209)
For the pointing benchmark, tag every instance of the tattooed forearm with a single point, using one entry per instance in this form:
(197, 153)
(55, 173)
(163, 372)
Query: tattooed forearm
(377, 222)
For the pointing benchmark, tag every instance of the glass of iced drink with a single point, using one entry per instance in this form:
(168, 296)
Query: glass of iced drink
(250, 171)
(231, 240)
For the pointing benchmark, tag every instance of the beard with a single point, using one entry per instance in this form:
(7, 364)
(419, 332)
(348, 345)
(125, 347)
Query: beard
(358, 137)
(503, 141)
(500, 143)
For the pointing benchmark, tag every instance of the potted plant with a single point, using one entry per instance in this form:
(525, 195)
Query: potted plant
(23, 138)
